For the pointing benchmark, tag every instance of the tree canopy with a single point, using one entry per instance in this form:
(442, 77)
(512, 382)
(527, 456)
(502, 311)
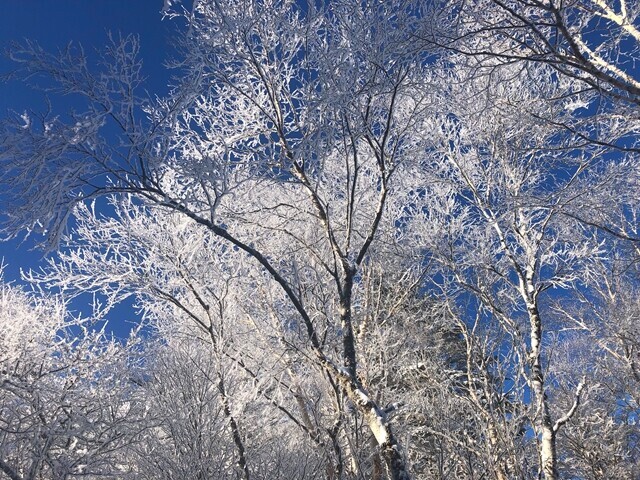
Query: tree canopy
(366, 240)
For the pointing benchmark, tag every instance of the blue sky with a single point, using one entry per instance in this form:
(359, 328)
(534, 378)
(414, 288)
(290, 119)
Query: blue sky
(55, 23)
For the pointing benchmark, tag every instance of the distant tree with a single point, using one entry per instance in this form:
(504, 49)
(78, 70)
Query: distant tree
(67, 409)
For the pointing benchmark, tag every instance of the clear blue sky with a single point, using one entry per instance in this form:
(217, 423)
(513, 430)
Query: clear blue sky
(55, 23)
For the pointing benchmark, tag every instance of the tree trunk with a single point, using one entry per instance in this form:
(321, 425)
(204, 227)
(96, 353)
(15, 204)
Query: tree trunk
(377, 471)
(547, 447)
(235, 431)
(381, 430)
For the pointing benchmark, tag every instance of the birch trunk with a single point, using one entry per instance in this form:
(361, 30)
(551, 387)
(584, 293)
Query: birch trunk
(547, 446)
(377, 423)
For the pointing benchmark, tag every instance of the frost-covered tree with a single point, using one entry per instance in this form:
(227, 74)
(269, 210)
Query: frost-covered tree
(283, 140)
(602, 345)
(67, 408)
(513, 222)
(342, 235)
(594, 41)
(209, 421)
